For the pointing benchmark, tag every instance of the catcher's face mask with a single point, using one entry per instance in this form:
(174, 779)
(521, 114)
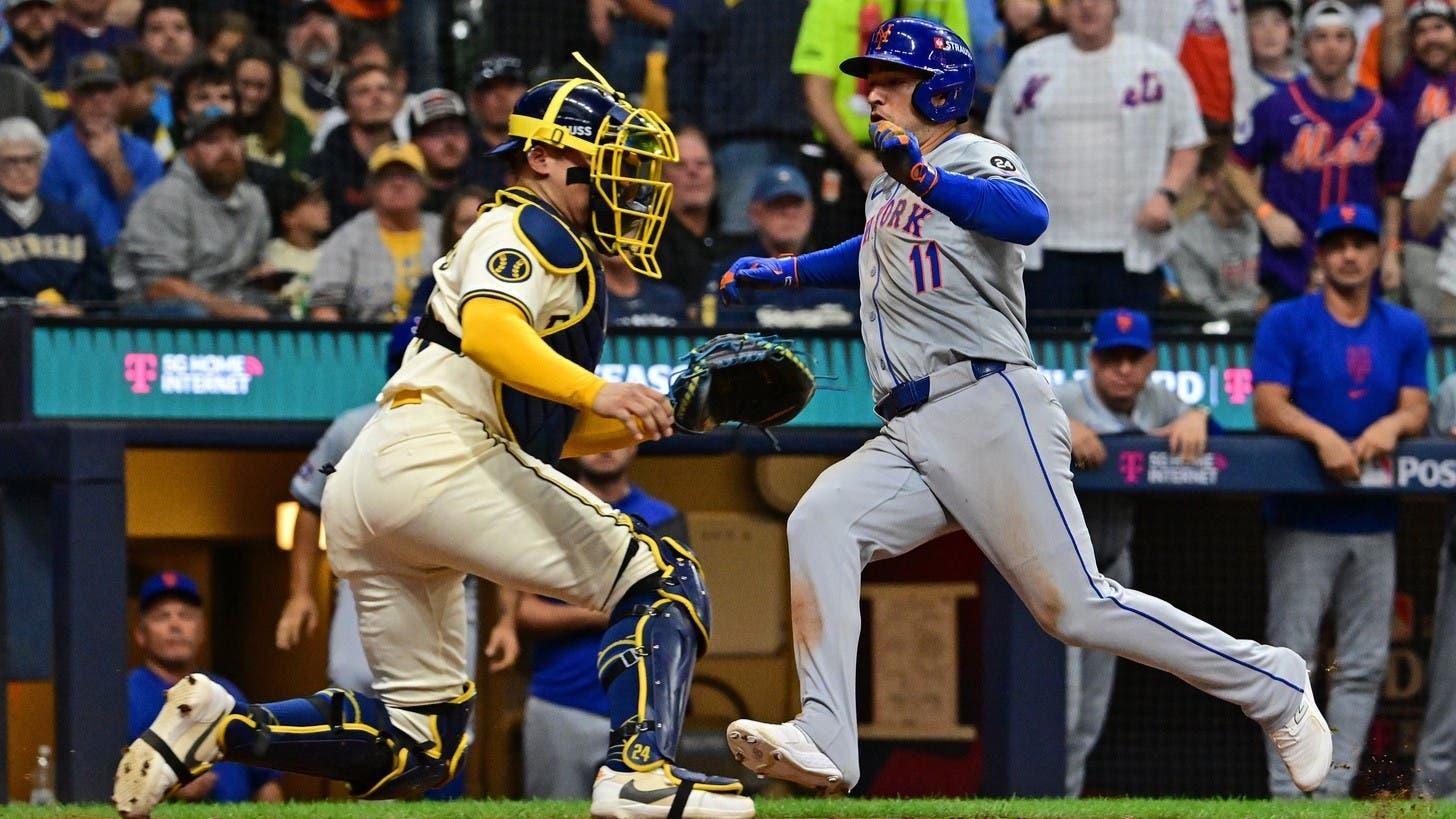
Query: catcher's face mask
(629, 208)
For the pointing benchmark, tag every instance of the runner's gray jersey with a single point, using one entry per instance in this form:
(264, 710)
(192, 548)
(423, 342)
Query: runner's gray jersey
(932, 293)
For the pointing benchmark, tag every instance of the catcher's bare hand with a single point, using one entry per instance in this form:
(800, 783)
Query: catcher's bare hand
(643, 409)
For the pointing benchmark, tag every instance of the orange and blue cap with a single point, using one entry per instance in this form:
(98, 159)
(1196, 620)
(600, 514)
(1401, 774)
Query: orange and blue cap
(168, 584)
(1122, 328)
(1347, 217)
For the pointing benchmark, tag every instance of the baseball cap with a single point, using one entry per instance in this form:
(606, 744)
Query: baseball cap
(168, 584)
(434, 105)
(1329, 13)
(1430, 8)
(404, 153)
(780, 180)
(200, 123)
(303, 8)
(1347, 217)
(94, 68)
(1122, 328)
(499, 68)
(15, 4)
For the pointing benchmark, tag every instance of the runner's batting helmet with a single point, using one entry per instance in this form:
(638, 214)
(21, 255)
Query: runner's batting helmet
(932, 49)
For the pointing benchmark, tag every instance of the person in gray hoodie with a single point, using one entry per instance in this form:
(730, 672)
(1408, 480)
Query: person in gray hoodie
(193, 244)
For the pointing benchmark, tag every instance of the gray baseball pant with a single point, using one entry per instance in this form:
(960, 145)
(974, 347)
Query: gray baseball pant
(1435, 775)
(563, 749)
(993, 458)
(1353, 576)
(1089, 691)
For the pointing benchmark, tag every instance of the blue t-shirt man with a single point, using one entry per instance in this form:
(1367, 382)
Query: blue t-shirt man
(565, 668)
(73, 177)
(1346, 378)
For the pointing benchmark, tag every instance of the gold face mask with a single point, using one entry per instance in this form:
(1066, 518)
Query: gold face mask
(631, 199)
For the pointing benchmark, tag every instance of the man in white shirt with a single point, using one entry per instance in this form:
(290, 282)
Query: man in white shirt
(1431, 203)
(1109, 125)
(1210, 39)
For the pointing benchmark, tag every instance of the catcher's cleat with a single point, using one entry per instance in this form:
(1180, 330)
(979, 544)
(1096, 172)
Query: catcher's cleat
(1305, 743)
(783, 751)
(667, 792)
(179, 746)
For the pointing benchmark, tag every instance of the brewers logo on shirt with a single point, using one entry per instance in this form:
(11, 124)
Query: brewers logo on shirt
(508, 265)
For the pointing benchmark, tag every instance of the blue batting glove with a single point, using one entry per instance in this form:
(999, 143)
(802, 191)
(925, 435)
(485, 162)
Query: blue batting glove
(757, 273)
(899, 151)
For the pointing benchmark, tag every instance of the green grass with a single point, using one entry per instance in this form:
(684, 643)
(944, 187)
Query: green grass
(799, 809)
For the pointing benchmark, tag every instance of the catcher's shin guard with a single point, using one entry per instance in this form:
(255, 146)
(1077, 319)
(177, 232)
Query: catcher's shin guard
(657, 633)
(346, 735)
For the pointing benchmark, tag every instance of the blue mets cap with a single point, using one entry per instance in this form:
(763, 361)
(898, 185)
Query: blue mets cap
(169, 584)
(780, 180)
(1122, 328)
(1352, 217)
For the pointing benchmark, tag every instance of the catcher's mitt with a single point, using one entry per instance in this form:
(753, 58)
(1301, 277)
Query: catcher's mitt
(748, 378)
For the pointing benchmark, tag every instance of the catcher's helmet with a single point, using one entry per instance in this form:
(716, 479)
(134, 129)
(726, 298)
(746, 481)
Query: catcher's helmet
(932, 49)
(627, 147)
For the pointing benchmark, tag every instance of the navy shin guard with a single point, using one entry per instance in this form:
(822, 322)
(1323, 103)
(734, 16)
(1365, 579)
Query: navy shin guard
(657, 633)
(348, 736)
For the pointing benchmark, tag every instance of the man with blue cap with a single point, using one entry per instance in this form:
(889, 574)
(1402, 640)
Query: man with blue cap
(1116, 398)
(169, 631)
(1346, 373)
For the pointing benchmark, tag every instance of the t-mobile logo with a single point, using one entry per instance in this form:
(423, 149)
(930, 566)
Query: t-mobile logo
(1132, 465)
(141, 370)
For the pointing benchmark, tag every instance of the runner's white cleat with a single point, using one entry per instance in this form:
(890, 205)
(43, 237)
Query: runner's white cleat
(783, 751)
(667, 791)
(177, 747)
(1305, 743)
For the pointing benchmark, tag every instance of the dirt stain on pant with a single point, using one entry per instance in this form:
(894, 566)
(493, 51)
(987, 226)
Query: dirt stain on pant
(807, 621)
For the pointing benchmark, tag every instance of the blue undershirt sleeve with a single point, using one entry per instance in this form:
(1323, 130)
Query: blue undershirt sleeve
(1000, 208)
(836, 267)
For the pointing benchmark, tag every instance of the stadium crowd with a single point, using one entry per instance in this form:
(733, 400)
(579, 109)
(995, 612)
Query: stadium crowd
(1220, 160)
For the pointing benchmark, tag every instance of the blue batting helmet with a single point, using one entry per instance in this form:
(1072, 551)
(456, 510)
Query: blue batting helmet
(929, 48)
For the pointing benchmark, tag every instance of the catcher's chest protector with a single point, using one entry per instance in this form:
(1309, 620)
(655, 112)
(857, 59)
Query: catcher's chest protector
(541, 427)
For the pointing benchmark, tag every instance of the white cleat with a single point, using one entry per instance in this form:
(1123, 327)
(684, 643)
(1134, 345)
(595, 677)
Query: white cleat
(1305, 743)
(784, 751)
(185, 728)
(653, 794)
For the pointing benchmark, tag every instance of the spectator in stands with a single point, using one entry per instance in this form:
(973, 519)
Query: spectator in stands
(1271, 44)
(440, 127)
(375, 53)
(194, 244)
(1210, 39)
(84, 27)
(832, 31)
(1022, 22)
(782, 215)
(226, 34)
(300, 216)
(272, 135)
(93, 165)
(370, 267)
(1432, 211)
(21, 97)
(1291, 137)
(1435, 770)
(498, 83)
(371, 101)
(566, 712)
(690, 245)
(311, 77)
(198, 86)
(753, 118)
(167, 33)
(33, 47)
(140, 77)
(1217, 256)
(47, 250)
(637, 301)
(1418, 74)
(1075, 106)
(1346, 373)
(169, 632)
(1115, 399)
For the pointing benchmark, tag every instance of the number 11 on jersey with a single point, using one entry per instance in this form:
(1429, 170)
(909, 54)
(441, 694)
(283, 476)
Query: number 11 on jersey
(931, 253)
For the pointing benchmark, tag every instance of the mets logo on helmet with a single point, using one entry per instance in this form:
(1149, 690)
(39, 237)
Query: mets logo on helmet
(508, 265)
(883, 35)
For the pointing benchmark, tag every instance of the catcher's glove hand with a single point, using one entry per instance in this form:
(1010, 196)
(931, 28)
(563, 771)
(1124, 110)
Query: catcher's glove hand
(748, 378)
